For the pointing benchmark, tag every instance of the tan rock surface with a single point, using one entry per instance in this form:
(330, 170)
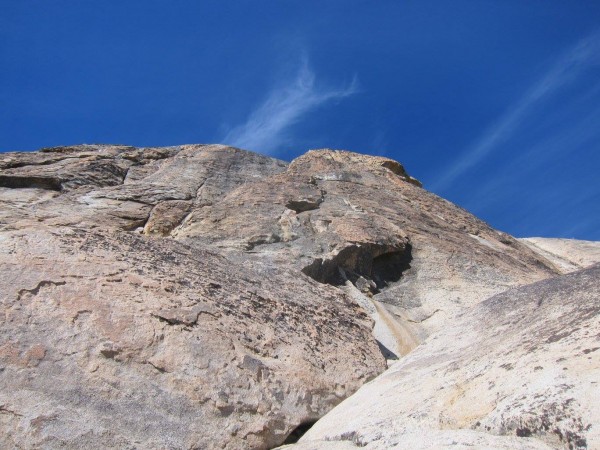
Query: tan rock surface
(430, 440)
(201, 296)
(521, 370)
(421, 257)
(567, 255)
(114, 339)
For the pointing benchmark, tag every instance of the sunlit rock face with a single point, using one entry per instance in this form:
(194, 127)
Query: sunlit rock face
(520, 370)
(421, 257)
(202, 296)
(568, 255)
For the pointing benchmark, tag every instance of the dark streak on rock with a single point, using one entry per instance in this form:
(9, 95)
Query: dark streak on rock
(36, 289)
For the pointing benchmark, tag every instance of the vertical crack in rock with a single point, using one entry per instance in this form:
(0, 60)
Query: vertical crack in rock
(362, 271)
(166, 216)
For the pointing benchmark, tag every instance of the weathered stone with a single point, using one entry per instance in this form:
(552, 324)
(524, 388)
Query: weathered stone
(520, 370)
(166, 216)
(116, 339)
(113, 339)
(201, 296)
(567, 255)
(428, 259)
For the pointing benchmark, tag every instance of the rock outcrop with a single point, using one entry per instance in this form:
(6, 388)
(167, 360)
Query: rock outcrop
(568, 255)
(521, 370)
(202, 296)
(116, 338)
(340, 216)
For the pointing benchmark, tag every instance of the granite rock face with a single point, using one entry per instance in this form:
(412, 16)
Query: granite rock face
(568, 255)
(521, 370)
(116, 340)
(119, 338)
(412, 253)
(201, 296)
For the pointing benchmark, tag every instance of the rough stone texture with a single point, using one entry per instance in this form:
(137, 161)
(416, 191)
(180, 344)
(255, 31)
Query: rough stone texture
(117, 339)
(567, 255)
(85, 193)
(420, 257)
(521, 370)
(166, 216)
(199, 296)
(429, 440)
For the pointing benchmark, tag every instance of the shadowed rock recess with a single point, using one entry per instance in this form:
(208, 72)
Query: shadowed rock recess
(202, 296)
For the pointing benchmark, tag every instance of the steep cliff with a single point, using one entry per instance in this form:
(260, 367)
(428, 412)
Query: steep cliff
(202, 296)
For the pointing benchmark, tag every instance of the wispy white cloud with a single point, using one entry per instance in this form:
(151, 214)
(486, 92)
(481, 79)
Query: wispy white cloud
(565, 70)
(552, 178)
(573, 140)
(267, 127)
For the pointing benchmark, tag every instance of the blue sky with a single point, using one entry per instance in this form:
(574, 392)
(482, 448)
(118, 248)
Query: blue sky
(494, 105)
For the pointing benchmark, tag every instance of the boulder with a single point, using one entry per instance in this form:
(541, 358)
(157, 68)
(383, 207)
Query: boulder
(340, 216)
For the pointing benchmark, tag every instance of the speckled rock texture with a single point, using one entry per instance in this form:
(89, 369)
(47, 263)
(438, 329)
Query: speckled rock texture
(521, 370)
(126, 339)
(416, 254)
(201, 296)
